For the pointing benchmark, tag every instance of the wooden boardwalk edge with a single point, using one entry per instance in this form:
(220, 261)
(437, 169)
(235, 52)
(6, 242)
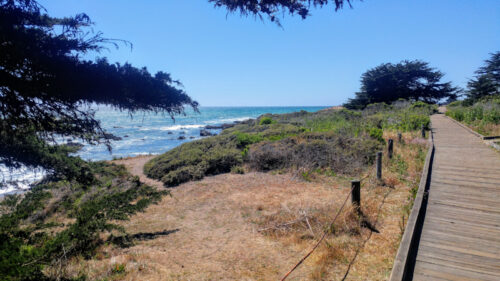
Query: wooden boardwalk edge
(404, 262)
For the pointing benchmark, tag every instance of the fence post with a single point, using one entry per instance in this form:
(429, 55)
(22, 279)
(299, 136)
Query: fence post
(356, 194)
(423, 131)
(379, 165)
(390, 148)
(400, 138)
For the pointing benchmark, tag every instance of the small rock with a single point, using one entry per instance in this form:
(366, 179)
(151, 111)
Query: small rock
(181, 138)
(205, 133)
(212, 127)
(111, 137)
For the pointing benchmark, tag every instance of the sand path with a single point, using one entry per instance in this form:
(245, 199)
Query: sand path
(135, 165)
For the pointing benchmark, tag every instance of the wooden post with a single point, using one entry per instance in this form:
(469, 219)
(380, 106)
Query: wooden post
(379, 165)
(423, 131)
(400, 137)
(390, 148)
(356, 194)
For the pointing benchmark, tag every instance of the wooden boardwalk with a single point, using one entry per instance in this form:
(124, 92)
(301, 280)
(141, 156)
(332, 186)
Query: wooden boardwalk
(460, 238)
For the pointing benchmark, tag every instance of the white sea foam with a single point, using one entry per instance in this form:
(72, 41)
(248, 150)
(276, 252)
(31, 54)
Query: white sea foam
(18, 179)
(227, 120)
(173, 128)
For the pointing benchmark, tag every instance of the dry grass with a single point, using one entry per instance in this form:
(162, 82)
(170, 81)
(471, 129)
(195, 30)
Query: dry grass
(489, 129)
(254, 227)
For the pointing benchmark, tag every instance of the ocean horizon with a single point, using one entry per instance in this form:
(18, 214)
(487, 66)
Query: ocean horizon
(145, 134)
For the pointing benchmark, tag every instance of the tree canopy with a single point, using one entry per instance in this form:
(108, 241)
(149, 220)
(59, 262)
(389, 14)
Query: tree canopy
(47, 89)
(273, 8)
(487, 80)
(47, 85)
(410, 80)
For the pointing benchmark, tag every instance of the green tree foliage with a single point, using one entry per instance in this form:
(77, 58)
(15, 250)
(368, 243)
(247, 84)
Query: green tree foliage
(32, 236)
(273, 8)
(46, 92)
(46, 86)
(409, 80)
(487, 80)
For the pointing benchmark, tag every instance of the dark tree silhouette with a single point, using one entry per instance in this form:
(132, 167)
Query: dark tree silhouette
(487, 80)
(274, 8)
(46, 85)
(410, 80)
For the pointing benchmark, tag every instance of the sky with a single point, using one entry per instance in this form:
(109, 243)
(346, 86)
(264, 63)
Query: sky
(229, 60)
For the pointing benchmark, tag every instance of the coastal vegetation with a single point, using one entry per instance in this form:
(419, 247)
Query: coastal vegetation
(58, 220)
(342, 141)
(482, 116)
(480, 109)
(257, 224)
(297, 165)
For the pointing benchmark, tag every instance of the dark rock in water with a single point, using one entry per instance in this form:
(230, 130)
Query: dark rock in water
(111, 137)
(223, 126)
(191, 137)
(181, 138)
(74, 144)
(125, 136)
(182, 133)
(212, 127)
(169, 133)
(117, 127)
(206, 133)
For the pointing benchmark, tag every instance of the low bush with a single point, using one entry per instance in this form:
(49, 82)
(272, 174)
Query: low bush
(339, 153)
(266, 121)
(237, 170)
(194, 160)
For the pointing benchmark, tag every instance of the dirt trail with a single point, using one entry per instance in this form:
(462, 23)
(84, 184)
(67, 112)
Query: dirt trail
(135, 165)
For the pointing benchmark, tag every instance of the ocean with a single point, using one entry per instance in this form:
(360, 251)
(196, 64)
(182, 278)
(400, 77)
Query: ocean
(142, 134)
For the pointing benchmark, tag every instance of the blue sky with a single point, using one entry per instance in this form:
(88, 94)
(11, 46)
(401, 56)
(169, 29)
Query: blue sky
(228, 60)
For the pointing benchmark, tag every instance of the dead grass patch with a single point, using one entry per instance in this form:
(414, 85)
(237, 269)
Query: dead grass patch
(257, 226)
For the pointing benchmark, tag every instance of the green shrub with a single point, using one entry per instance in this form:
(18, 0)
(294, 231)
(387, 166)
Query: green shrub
(454, 104)
(245, 139)
(266, 121)
(237, 170)
(377, 134)
(194, 160)
(478, 115)
(412, 122)
(118, 268)
(311, 151)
